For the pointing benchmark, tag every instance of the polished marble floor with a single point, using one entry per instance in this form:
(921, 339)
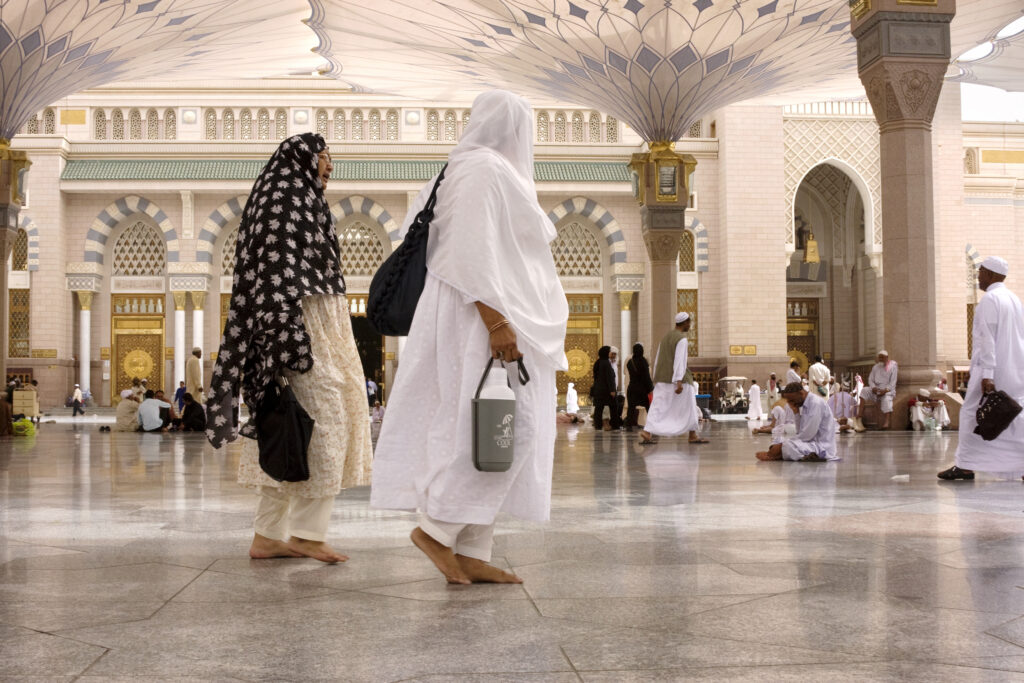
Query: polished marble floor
(122, 557)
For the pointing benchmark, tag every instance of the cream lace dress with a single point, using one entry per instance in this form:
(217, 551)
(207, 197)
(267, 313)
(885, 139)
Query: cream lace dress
(333, 392)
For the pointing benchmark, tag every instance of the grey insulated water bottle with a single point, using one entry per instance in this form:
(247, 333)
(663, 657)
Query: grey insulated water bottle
(494, 421)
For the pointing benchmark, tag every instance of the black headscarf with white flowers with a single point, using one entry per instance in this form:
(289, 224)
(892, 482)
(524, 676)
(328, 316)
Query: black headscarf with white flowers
(287, 249)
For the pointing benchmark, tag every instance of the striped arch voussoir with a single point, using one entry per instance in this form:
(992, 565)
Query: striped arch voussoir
(364, 205)
(110, 217)
(32, 230)
(973, 254)
(214, 224)
(700, 243)
(601, 217)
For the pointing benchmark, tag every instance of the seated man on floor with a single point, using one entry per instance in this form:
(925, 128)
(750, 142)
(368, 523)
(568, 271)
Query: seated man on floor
(193, 417)
(154, 414)
(844, 408)
(928, 414)
(815, 438)
(127, 419)
(779, 417)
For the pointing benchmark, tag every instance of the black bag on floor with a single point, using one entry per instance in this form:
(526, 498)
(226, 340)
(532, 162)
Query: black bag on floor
(996, 412)
(283, 431)
(396, 287)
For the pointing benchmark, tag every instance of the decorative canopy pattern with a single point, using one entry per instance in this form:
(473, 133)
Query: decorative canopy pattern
(1003, 67)
(52, 48)
(659, 65)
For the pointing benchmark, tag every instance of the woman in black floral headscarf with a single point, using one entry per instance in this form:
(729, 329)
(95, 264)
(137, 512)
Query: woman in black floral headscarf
(289, 316)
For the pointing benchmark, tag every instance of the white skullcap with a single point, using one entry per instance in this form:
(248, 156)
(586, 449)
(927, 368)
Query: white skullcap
(997, 265)
(76, 385)
(924, 392)
(614, 349)
(196, 348)
(127, 393)
(883, 352)
(682, 318)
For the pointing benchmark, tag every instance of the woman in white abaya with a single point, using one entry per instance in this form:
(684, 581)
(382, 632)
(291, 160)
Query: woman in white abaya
(491, 289)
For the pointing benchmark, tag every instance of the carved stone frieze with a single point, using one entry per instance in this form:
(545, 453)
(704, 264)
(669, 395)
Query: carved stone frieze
(83, 267)
(625, 268)
(183, 283)
(82, 283)
(627, 283)
(188, 268)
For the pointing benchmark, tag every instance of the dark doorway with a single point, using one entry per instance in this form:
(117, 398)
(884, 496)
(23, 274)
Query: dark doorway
(371, 348)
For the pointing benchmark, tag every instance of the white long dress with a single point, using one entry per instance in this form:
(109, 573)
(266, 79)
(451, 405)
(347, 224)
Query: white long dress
(572, 402)
(999, 356)
(792, 376)
(673, 414)
(754, 399)
(489, 243)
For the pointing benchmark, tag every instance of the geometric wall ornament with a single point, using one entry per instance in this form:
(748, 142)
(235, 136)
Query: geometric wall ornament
(362, 251)
(576, 251)
(139, 251)
(108, 219)
(29, 226)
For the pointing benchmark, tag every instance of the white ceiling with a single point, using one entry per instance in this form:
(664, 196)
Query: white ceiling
(656, 64)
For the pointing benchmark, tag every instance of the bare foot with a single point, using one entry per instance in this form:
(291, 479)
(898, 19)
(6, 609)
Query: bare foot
(264, 548)
(318, 550)
(442, 556)
(765, 455)
(479, 571)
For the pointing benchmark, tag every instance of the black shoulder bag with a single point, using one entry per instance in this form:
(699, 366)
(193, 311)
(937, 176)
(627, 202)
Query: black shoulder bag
(996, 412)
(396, 287)
(283, 431)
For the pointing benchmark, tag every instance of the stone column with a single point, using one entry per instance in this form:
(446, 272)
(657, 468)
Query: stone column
(84, 339)
(179, 337)
(13, 166)
(626, 329)
(198, 322)
(660, 184)
(903, 53)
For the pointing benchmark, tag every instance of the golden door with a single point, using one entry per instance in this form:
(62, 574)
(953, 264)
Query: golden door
(582, 340)
(137, 344)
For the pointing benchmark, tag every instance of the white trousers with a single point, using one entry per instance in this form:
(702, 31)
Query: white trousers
(884, 401)
(470, 540)
(281, 516)
(792, 449)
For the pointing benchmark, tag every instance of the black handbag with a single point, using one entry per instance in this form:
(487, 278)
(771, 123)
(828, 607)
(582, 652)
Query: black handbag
(396, 287)
(996, 412)
(283, 431)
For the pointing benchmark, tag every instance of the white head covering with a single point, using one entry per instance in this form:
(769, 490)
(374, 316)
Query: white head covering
(76, 385)
(127, 393)
(883, 352)
(997, 265)
(924, 392)
(196, 348)
(488, 199)
(614, 349)
(682, 318)
(572, 401)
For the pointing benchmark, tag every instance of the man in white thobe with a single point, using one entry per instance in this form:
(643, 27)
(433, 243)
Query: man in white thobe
(997, 364)
(843, 407)
(793, 374)
(674, 408)
(928, 414)
(773, 389)
(815, 438)
(194, 375)
(754, 402)
(819, 377)
(881, 390)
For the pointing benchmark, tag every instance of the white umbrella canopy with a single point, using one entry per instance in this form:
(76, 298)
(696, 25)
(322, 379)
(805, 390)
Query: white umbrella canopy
(52, 48)
(659, 66)
(999, 56)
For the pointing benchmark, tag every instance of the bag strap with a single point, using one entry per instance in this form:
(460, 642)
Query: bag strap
(426, 214)
(524, 376)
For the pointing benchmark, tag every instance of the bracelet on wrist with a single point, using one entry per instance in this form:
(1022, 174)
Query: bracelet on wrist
(496, 326)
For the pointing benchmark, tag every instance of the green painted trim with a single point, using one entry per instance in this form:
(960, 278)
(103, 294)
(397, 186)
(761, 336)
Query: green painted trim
(240, 169)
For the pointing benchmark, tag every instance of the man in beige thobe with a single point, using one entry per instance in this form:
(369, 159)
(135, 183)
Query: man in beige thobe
(194, 375)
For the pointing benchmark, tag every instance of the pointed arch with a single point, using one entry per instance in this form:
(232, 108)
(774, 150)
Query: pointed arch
(601, 217)
(214, 223)
(114, 214)
(32, 230)
(364, 205)
(700, 244)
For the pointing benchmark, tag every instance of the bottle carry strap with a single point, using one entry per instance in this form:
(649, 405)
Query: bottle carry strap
(524, 376)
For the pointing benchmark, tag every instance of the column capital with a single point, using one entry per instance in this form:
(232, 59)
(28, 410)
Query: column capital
(198, 300)
(904, 93)
(662, 245)
(625, 300)
(84, 299)
(179, 300)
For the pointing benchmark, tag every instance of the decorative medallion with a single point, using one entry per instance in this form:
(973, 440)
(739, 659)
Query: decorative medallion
(138, 364)
(579, 363)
